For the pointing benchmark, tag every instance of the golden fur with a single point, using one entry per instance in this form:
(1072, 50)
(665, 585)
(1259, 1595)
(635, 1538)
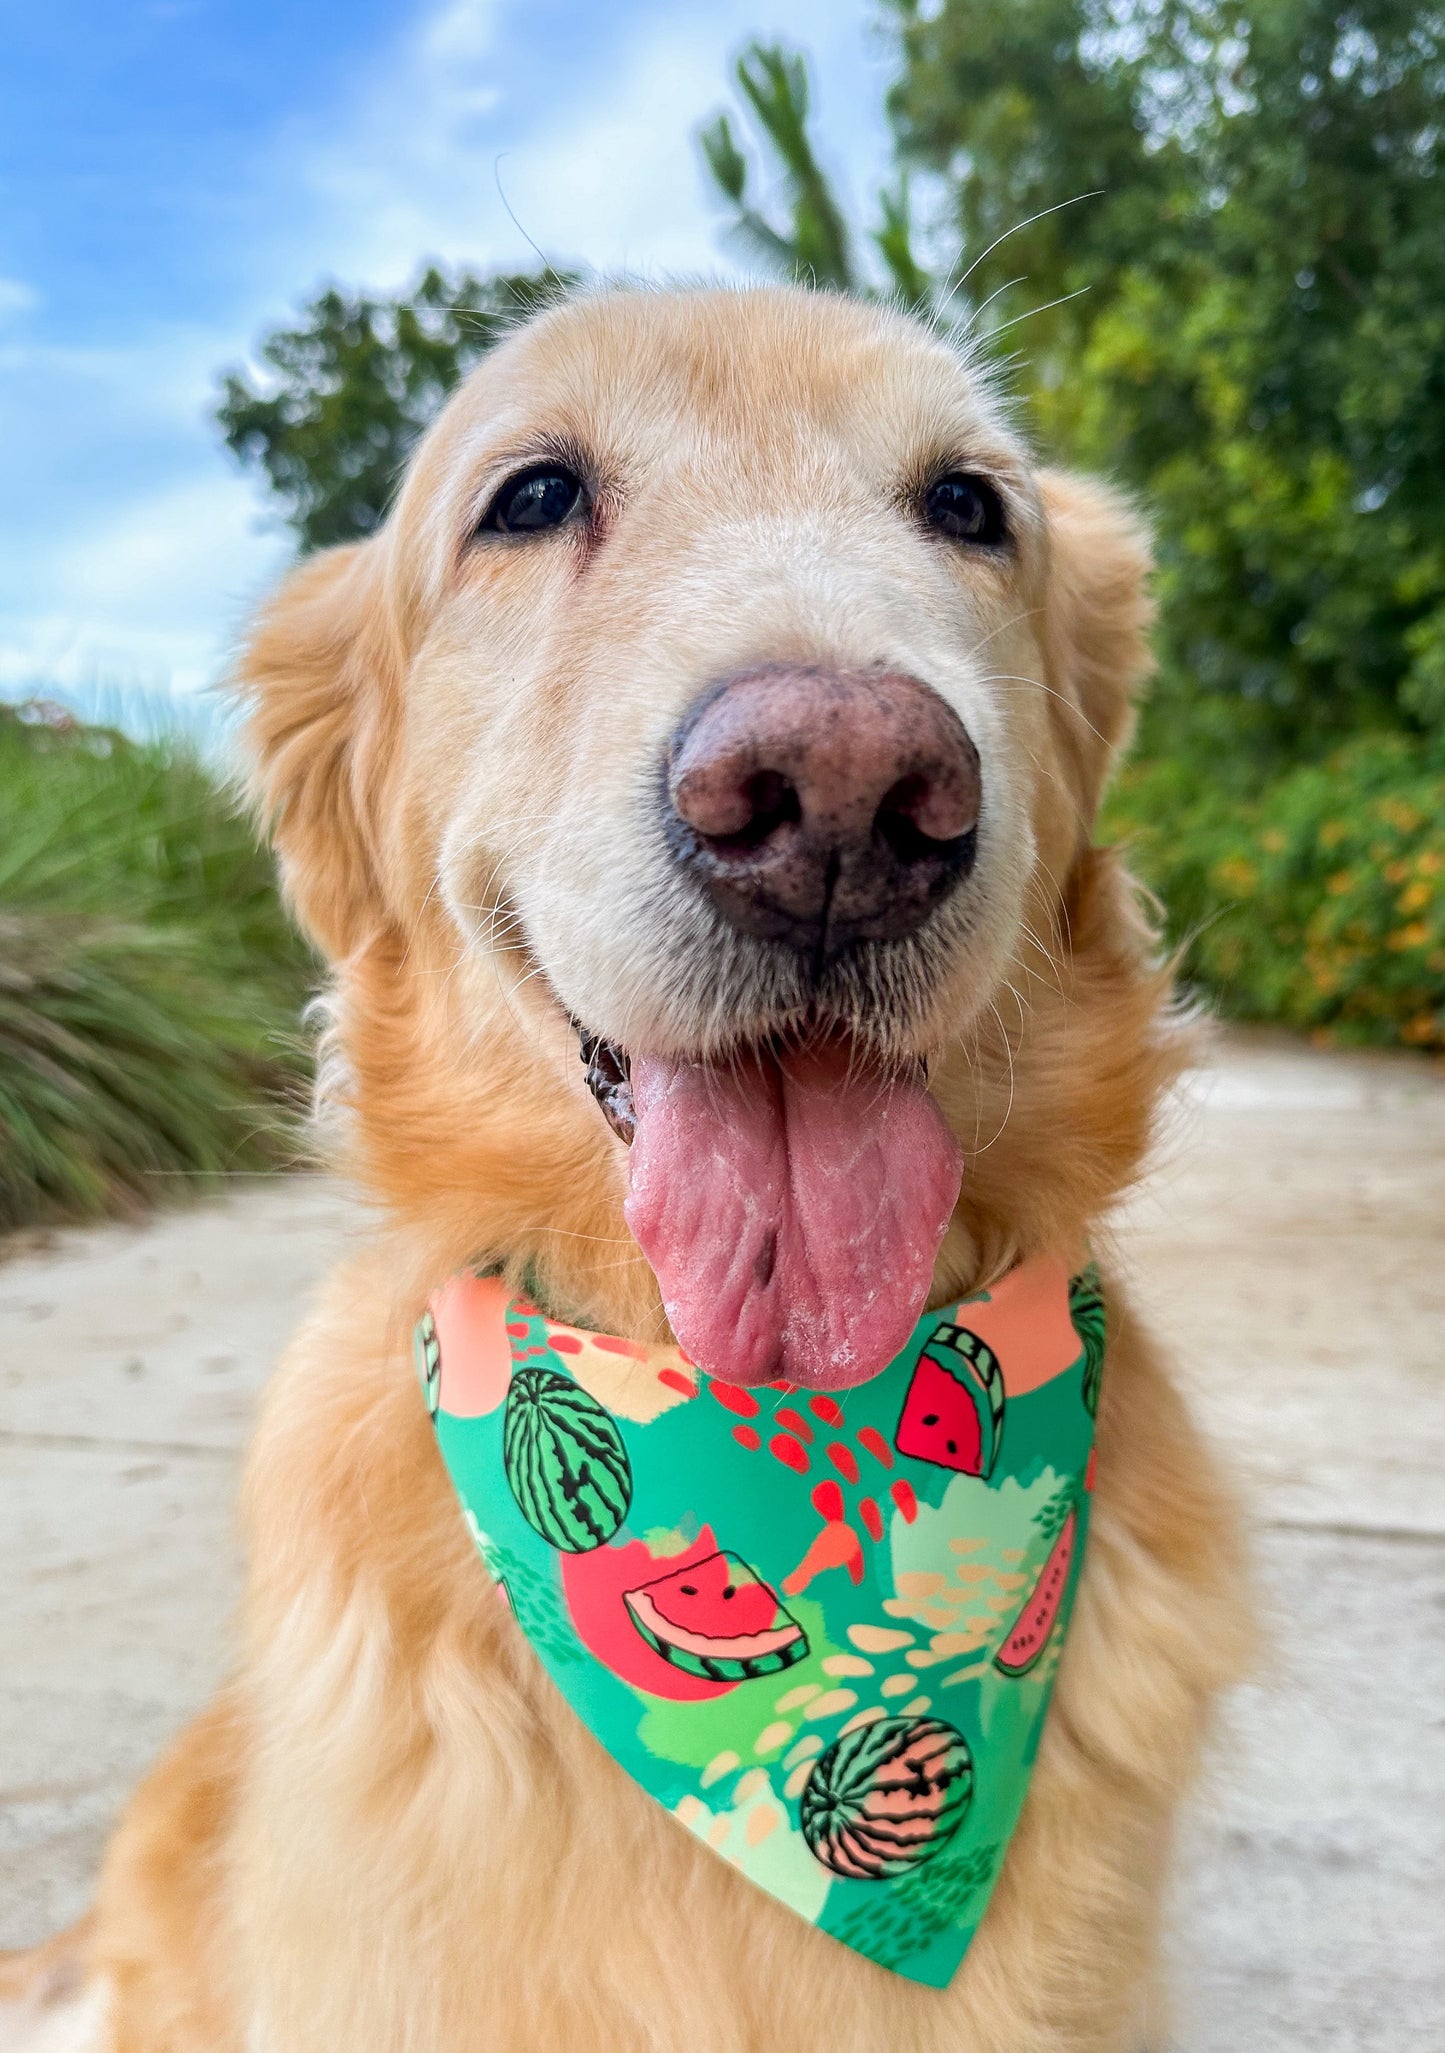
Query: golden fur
(390, 1832)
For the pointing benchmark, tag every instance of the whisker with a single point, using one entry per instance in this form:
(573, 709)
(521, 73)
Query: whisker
(1008, 677)
(1062, 301)
(1018, 228)
(1008, 1047)
(983, 304)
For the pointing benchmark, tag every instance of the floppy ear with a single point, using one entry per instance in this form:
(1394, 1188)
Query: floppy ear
(1097, 615)
(317, 676)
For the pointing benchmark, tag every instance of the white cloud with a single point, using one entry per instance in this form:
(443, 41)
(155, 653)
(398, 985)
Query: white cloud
(167, 377)
(153, 591)
(605, 173)
(401, 155)
(16, 297)
(140, 546)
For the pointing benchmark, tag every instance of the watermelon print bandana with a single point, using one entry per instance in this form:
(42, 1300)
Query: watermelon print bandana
(821, 1630)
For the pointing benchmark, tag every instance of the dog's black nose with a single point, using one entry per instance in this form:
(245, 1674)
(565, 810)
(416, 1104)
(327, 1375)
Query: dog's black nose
(820, 808)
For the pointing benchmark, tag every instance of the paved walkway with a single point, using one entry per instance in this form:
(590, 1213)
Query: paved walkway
(1291, 1243)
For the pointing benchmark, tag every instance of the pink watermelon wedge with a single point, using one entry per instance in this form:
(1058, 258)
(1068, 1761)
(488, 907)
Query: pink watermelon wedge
(953, 1413)
(717, 1619)
(1029, 1634)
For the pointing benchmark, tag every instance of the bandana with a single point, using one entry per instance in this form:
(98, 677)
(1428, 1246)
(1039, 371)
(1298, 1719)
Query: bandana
(821, 1630)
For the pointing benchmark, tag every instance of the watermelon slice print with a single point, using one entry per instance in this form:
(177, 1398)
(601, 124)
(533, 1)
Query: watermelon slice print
(886, 1797)
(954, 1412)
(717, 1619)
(565, 1461)
(1032, 1629)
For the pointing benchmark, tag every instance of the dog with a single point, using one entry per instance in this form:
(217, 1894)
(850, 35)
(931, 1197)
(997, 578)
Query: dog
(728, 697)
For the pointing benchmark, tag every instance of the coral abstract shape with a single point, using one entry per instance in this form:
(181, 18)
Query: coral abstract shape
(844, 1460)
(903, 1496)
(828, 1500)
(836, 1545)
(471, 1326)
(732, 1397)
(1026, 1322)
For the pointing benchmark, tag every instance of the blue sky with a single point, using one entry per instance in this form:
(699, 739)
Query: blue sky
(177, 175)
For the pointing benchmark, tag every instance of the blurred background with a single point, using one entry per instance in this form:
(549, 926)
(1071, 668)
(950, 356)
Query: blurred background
(244, 253)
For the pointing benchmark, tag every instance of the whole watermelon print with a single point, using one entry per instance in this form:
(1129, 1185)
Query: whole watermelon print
(1086, 1310)
(428, 1361)
(887, 1796)
(565, 1461)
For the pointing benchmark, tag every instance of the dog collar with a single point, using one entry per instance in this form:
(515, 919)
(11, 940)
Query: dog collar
(821, 1630)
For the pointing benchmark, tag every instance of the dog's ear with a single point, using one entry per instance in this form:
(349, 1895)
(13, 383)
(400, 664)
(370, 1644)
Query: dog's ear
(317, 677)
(1097, 615)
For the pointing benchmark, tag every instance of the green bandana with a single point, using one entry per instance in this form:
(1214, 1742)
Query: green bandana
(821, 1630)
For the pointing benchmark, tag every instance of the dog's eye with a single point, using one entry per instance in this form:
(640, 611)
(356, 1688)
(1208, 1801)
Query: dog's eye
(966, 508)
(543, 497)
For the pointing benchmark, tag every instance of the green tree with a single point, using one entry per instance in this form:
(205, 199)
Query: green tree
(1258, 343)
(1211, 233)
(342, 397)
(812, 243)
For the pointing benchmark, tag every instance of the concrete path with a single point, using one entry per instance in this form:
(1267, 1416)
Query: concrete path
(1290, 1244)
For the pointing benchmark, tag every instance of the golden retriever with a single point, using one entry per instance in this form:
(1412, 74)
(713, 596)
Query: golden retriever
(576, 743)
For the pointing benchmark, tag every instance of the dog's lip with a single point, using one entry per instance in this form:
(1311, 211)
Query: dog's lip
(607, 1066)
(608, 1070)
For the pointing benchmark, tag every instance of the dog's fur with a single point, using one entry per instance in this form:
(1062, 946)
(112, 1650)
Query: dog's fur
(390, 1832)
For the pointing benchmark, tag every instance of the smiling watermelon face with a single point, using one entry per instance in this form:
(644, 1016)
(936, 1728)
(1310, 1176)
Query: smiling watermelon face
(717, 1619)
(953, 1413)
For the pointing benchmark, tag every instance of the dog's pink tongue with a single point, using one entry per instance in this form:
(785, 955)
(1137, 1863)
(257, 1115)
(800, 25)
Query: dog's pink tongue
(792, 1212)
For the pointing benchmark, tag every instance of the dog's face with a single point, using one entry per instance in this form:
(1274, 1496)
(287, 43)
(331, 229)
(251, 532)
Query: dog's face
(728, 685)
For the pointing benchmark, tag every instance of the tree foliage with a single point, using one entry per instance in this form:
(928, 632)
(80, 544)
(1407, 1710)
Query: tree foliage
(1218, 233)
(816, 246)
(1259, 341)
(812, 243)
(342, 397)
(1210, 230)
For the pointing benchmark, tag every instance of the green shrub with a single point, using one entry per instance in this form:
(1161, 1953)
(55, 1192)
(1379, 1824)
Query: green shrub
(150, 985)
(1317, 901)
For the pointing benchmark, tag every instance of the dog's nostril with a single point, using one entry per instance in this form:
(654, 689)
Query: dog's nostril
(918, 823)
(735, 814)
(775, 803)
